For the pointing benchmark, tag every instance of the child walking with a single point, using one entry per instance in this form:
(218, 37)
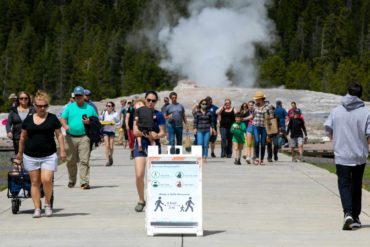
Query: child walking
(238, 130)
(296, 128)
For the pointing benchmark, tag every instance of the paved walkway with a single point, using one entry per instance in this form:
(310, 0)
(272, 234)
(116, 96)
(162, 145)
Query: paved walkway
(280, 204)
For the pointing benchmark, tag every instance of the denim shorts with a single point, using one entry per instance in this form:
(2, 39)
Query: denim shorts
(250, 129)
(108, 133)
(295, 142)
(49, 163)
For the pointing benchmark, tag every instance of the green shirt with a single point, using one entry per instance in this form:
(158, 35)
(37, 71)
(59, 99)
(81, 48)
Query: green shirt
(73, 115)
(238, 133)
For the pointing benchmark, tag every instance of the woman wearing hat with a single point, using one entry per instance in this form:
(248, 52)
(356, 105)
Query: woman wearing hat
(262, 111)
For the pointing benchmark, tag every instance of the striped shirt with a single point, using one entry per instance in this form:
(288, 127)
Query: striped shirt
(203, 121)
(260, 114)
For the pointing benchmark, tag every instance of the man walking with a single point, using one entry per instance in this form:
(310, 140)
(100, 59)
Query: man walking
(74, 118)
(349, 127)
(175, 115)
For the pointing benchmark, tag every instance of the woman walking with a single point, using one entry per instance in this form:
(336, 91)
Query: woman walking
(227, 118)
(159, 126)
(261, 112)
(38, 151)
(203, 127)
(16, 116)
(111, 117)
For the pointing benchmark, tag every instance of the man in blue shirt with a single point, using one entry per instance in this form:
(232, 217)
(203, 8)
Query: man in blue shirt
(74, 118)
(175, 115)
(281, 114)
(87, 97)
(212, 108)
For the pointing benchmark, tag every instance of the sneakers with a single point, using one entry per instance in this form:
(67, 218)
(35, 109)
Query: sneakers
(48, 210)
(348, 220)
(269, 160)
(140, 207)
(248, 160)
(71, 185)
(356, 223)
(237, 162)
(301, 159)
(85, 186)
(213, 155)
(37, 213)
(110, 160)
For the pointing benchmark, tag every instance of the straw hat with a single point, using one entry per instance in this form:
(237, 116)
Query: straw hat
(259, 95)
(12, 96)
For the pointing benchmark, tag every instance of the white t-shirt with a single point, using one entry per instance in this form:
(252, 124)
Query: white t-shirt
(112, 117)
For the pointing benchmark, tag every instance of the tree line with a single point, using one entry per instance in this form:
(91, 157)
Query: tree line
(56, 44)
(322, 45)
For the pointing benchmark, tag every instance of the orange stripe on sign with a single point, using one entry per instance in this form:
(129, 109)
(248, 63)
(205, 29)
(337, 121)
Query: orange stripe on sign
(178, 158)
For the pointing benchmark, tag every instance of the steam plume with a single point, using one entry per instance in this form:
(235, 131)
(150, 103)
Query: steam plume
(215, 45)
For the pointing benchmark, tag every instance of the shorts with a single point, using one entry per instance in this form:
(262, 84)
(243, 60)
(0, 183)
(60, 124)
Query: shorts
(295, 142)
(108, 133)
(213, 138)
(144, 144)
(49, 163)
(250, 129)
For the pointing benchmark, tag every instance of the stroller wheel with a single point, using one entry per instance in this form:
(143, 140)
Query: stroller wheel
(15, 205)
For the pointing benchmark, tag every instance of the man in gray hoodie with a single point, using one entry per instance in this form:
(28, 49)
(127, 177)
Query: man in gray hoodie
(349, 126)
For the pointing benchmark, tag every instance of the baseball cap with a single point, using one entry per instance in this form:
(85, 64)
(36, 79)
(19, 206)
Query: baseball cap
(78, 90)
(87, 92)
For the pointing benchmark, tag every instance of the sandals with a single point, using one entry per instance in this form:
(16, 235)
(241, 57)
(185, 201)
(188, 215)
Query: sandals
(257, 162)
(140, 206)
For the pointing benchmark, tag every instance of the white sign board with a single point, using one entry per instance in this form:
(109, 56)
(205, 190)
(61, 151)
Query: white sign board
(174, 192)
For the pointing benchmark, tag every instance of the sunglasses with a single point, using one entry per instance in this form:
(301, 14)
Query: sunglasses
(78, 95)
(108, 106)
(151, 100)
(203, 104)
(23, 98)
(42, 106)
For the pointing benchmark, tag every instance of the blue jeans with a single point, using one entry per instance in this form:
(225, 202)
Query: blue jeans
(226, 142)
(259, 135)
(203, 140)
(350, 187)
(174, 132)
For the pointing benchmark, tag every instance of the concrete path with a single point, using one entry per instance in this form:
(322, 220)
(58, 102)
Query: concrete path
(280, 204)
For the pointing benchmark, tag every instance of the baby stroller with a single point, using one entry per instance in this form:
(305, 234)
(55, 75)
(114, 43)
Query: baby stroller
(19, 186)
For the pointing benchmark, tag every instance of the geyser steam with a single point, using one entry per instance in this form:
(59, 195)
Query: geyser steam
(215, 45)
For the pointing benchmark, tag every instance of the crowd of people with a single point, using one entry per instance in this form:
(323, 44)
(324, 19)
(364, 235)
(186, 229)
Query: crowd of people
(245, 132)
(140, 125)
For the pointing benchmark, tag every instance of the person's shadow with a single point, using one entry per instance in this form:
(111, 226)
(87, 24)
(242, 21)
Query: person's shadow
(55, 213)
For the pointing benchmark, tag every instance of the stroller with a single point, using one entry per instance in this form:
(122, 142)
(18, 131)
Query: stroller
(19, 186)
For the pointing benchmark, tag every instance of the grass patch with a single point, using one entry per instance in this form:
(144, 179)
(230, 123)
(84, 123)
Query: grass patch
(3, 187)
(331, 168)
(3, 177)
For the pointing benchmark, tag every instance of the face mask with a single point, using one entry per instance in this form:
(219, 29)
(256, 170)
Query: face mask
(203, 107)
